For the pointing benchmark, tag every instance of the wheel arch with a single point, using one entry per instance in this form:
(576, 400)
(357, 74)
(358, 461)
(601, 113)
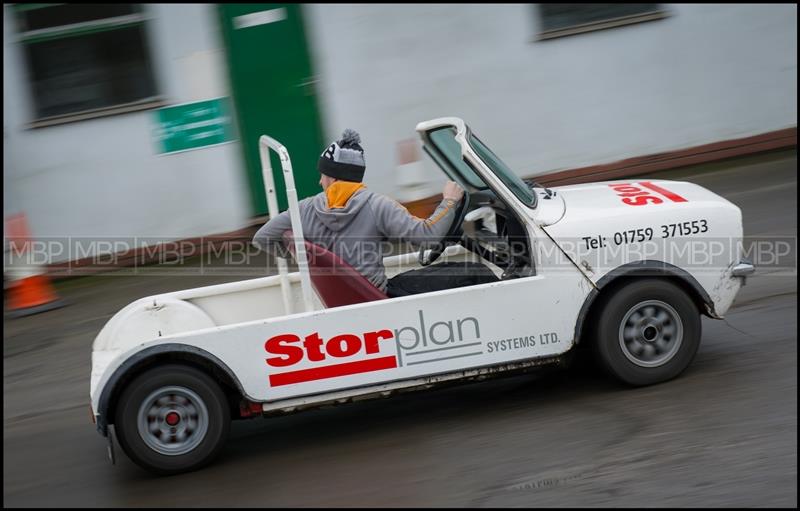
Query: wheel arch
(621, 275)
(160, 355)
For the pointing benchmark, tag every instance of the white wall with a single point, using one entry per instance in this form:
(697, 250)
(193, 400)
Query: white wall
(104, 177)
(706, 73)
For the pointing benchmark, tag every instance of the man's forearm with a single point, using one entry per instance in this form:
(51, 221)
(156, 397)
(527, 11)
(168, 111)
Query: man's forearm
(270, 235)
(398, 223)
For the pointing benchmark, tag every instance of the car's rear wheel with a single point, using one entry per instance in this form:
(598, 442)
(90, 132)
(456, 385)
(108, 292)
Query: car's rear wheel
(172, 419)
(648, 331)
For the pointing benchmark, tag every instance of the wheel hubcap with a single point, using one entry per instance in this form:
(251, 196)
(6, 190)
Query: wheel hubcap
(173, 420)
(650, 333)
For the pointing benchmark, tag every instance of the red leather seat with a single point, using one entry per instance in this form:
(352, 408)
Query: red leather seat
(336, 282)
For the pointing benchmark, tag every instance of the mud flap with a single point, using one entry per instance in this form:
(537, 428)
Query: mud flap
(111, 455)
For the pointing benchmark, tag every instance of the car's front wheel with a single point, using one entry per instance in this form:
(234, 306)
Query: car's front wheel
(648, 331)
(172, 419)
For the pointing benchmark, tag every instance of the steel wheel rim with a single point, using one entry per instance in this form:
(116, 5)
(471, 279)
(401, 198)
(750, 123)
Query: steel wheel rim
(651, 333)
(173, 420)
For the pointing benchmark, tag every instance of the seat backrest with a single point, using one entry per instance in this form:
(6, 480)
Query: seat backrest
(336, 282)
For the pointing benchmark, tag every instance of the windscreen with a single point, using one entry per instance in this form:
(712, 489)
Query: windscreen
(514, 183)
(444, 140)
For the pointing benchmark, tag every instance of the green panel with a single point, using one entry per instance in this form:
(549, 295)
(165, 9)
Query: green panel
(193, 125)
(270, 72)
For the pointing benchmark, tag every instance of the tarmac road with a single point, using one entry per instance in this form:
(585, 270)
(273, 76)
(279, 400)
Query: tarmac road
(722, 434)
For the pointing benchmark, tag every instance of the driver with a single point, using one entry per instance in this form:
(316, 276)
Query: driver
(351, 221)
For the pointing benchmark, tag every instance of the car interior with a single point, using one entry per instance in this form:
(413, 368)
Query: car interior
(503, 241)
(496, 235)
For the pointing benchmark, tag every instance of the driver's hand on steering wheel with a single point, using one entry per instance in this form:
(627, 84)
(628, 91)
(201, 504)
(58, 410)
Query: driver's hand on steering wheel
(452, 191)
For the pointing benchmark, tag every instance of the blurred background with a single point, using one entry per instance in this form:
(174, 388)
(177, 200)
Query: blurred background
(142, 120)
(129, 125)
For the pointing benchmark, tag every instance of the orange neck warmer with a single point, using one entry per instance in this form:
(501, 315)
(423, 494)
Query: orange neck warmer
(340, 192)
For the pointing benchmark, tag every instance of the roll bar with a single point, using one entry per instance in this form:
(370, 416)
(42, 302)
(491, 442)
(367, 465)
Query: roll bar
(265, 143)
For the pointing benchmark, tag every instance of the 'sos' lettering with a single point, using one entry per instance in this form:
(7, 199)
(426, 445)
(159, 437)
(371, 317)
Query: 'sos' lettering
(641, 194)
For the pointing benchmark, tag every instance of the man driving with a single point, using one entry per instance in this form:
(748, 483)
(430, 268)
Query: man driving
(350, 221)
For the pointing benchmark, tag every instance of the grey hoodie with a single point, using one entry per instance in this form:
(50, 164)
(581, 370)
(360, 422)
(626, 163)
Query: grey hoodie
(355, 231)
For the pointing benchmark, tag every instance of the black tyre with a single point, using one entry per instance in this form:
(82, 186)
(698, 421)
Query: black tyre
(172, 419)
(647, 332)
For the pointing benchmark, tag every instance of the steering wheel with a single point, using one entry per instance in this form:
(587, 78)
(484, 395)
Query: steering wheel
(453, 234)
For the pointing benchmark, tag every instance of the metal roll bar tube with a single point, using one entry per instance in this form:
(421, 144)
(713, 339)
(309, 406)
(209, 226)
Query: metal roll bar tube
(265, 143)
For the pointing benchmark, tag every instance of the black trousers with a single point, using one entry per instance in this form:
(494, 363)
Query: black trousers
(438, 277)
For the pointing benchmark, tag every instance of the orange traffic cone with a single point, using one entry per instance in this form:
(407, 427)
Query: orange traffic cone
(29, 291)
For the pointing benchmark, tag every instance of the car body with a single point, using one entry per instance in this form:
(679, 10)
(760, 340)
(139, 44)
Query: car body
(272, 347)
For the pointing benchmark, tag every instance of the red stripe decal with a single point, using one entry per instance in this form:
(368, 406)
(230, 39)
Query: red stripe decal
(332, 371)
(674, 197)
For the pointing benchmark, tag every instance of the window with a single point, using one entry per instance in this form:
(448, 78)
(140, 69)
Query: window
(85, 60)
(558, 20)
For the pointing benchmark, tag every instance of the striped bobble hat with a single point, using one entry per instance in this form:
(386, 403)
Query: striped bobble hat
(344, 159)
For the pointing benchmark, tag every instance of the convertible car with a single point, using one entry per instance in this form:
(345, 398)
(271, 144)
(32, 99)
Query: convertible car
(624, 268)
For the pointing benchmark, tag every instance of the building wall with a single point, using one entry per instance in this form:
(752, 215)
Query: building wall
(704, 74)
(105, 177)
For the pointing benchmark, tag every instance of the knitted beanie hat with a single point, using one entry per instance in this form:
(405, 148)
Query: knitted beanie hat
(344, 159)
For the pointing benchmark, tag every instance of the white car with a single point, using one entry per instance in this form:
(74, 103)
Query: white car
(625, 267)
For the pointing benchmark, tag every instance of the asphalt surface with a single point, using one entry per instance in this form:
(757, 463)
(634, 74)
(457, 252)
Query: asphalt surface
(722, 434)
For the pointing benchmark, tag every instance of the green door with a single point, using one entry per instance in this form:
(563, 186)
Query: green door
(273, 93)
